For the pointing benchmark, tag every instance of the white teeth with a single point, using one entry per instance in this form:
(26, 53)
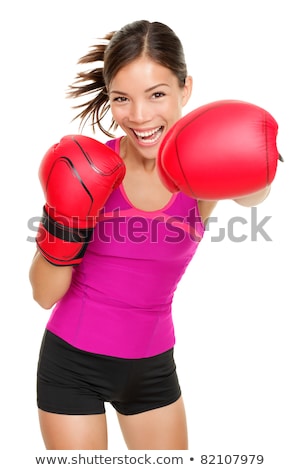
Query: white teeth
(146, 134)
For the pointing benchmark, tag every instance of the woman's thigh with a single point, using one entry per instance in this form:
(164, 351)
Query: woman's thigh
(73, 432)
(163, 428)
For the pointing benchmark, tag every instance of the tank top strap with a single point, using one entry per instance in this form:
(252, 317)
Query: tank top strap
(114, 144)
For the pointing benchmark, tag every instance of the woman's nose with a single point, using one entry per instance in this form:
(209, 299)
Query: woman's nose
(139, 112)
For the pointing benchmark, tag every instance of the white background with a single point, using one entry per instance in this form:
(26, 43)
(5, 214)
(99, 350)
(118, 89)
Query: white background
(236, 310)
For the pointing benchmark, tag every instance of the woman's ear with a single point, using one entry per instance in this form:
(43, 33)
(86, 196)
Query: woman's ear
(187, 90)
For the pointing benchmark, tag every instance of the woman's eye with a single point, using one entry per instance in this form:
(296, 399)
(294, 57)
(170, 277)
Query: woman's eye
(158, 94)
(120, 99)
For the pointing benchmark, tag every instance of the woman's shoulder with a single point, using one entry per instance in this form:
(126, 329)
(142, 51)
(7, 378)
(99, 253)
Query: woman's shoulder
(206, 208)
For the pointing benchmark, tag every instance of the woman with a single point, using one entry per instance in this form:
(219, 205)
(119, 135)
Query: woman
(110, 337)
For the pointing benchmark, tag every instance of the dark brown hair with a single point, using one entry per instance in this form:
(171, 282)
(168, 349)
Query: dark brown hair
(117, 49)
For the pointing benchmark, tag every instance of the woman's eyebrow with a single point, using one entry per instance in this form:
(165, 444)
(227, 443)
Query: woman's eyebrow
(156, 86)
(146, 91)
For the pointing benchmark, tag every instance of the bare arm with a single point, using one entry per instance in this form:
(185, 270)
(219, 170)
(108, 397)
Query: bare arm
(205, 209)
(255, 198)
(49, 283)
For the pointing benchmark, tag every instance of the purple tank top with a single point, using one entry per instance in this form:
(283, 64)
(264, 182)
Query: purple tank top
(120, 298)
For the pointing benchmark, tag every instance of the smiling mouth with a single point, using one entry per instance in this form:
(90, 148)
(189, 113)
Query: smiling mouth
(149, 137)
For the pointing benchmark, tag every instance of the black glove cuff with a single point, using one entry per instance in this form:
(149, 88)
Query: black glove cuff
(68, 234)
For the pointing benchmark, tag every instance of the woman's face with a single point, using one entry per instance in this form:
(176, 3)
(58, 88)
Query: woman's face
(146, 100)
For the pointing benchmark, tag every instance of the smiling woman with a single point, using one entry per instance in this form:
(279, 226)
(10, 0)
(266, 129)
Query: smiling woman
(150, 103)
(110, 336)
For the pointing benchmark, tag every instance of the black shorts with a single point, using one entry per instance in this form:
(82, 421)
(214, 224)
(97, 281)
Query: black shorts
(75, 382)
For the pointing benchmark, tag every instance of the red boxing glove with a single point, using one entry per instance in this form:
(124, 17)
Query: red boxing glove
(77, 175)
(225, 149)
